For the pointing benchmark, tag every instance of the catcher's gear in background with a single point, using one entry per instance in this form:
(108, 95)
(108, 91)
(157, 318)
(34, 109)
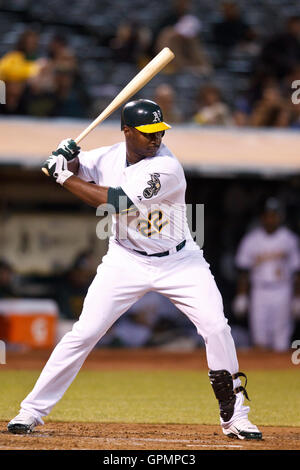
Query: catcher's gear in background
(57, 167)
(68, 148)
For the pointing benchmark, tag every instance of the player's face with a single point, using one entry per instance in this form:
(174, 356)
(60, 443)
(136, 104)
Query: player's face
(141, 144)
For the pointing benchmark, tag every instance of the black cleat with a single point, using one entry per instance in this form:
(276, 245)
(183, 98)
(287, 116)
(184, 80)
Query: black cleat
(23, 423)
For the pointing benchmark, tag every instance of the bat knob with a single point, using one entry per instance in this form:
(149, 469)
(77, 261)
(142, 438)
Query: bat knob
(44, 170)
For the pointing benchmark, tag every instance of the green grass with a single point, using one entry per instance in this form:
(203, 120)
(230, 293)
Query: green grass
(157, 397)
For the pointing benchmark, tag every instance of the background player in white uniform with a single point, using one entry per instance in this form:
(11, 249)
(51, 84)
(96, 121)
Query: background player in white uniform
(151, 249)
(268, 257)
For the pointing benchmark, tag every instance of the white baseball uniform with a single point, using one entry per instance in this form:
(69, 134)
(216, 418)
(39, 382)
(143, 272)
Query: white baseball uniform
(272, 260)
(158, 224)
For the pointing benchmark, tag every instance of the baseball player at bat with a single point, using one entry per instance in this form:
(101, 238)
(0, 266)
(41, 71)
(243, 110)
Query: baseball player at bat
(150, 249)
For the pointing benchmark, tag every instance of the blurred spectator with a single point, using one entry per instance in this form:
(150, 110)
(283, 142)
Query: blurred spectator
(55, 94)
(43, 87)
(14, 99)
(295, 116)
(249, 45)
(60, 54)
(232, 30)
(71, 100)
(258, 81)
(51, 92)
(165, 96)
(22, 63)
(281, 53)
(7, 280)
(27, 78)
(183, 39)
(177, 10)
(72, 286)
(241, 111)
(131, 43)
(211, 108)
(268, 258)
(272, 110)
(39, 97)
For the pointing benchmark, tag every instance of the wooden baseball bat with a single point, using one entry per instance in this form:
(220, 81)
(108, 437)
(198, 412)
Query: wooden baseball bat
(141, 79)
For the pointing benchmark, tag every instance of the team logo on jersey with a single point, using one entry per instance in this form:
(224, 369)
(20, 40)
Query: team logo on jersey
(156, 116)
(154, 186)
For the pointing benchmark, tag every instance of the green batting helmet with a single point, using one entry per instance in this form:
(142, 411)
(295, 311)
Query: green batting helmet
(145, 115)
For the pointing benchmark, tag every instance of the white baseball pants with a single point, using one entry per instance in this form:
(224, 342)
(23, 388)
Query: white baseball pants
(270, 317)
(122, 278)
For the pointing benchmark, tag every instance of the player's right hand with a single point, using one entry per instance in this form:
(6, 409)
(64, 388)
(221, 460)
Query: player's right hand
(240, 305)
(68, 148)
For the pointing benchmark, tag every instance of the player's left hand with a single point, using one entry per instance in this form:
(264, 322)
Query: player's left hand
(57, 167)
(68, 148)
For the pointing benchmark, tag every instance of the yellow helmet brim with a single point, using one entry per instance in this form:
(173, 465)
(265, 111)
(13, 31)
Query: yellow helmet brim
(156, 127)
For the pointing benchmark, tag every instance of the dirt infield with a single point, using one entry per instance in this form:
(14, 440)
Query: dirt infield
(152, 359)
(113, 436)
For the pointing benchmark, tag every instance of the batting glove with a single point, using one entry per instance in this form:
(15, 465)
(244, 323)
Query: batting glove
(57, 166)
(68, 148)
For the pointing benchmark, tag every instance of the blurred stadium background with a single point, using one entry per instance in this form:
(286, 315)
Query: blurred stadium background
(228, 97)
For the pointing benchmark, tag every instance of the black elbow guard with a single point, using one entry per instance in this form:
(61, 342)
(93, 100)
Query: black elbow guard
(118, 199)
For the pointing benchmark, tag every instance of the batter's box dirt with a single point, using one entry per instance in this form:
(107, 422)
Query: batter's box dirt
(113, 436)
